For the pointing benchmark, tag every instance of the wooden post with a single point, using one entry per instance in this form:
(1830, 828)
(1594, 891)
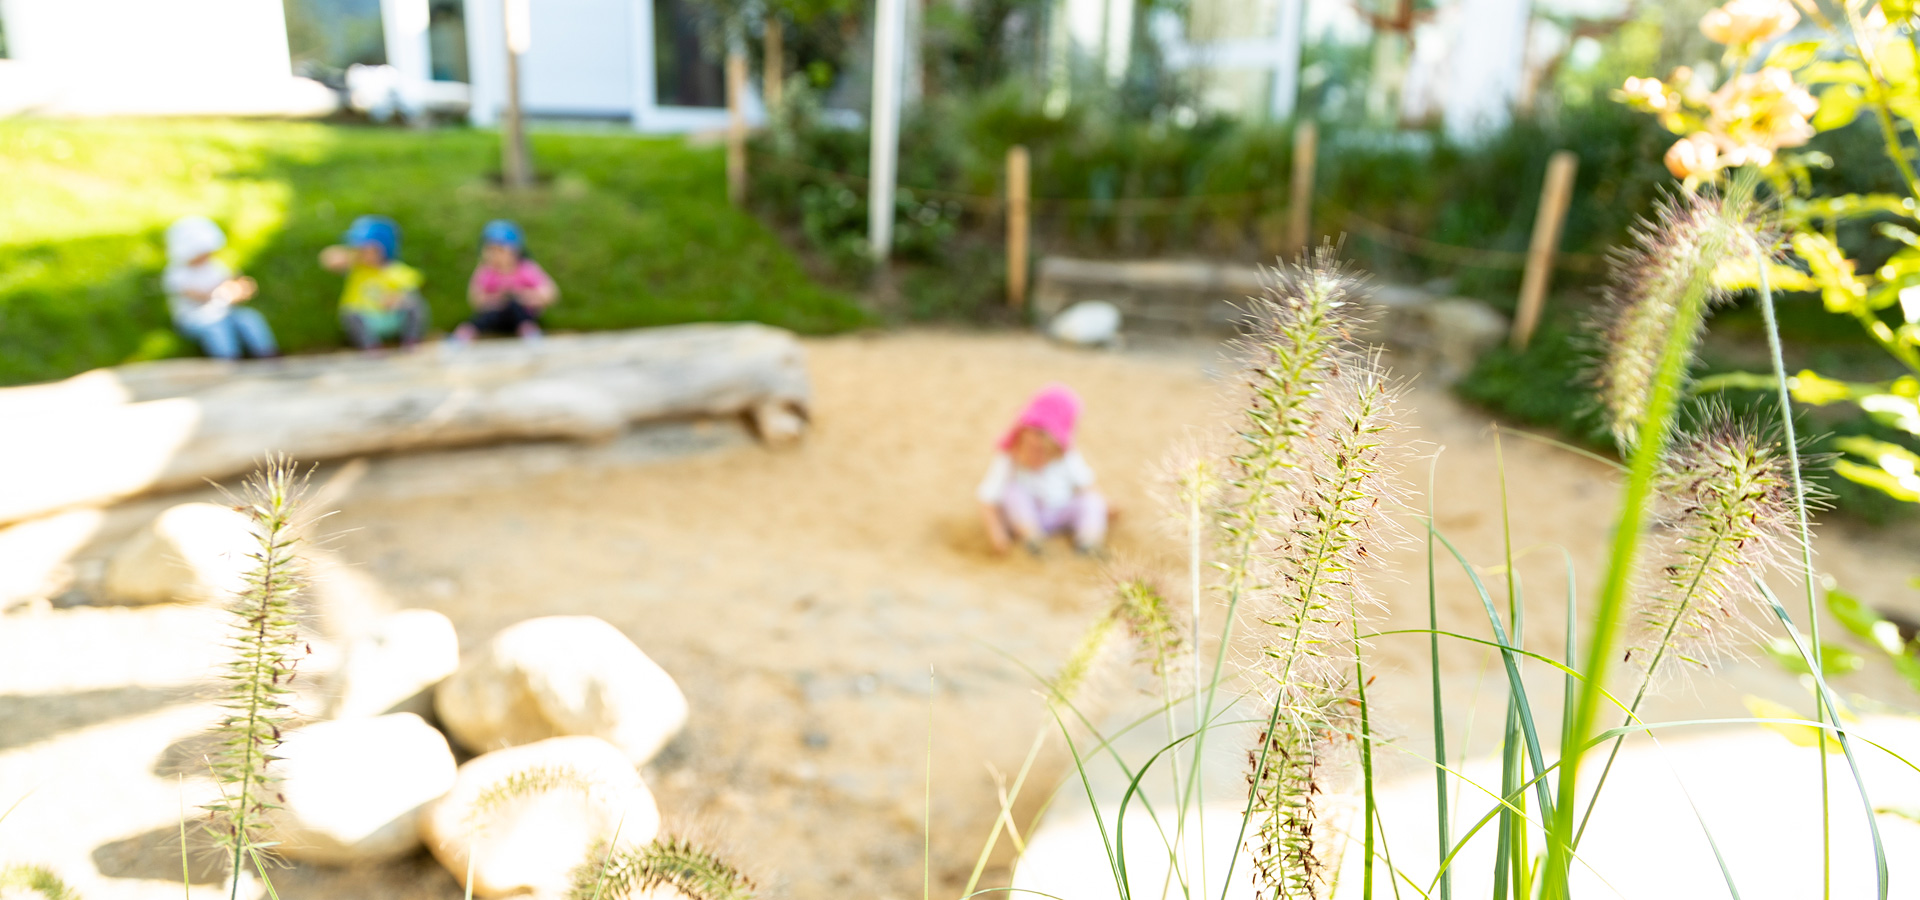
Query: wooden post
(1017, 222)
(516, 171)
(1554, 196)
(772, 65)
(737, 127)
(1306, 144)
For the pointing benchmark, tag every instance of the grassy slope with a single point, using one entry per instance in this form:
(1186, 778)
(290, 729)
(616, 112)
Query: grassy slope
(636, 231)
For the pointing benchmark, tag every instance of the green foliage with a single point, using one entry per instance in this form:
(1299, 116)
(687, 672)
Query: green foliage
(1866, 623)
(634, 229)
(37, 881)
(1106, 182)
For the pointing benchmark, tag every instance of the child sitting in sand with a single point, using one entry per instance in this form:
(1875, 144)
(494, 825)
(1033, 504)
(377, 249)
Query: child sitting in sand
(509, 290)
(204, 296)
(1038, 485)
(382, 297)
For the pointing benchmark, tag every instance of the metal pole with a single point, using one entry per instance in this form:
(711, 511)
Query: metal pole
(888, 27)
(1554, 198)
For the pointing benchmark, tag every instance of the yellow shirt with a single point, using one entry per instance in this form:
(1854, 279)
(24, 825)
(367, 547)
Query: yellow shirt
(376, 289)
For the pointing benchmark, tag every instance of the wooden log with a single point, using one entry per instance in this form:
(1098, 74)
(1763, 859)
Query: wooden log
(116, 433)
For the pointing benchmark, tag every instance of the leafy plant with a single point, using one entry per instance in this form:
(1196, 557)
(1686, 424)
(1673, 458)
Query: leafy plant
(1865, 64)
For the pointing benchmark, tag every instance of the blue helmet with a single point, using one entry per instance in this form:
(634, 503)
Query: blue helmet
(375, 230)
(503, 232)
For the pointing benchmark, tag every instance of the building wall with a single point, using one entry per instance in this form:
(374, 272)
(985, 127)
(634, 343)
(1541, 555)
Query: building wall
(149, 39)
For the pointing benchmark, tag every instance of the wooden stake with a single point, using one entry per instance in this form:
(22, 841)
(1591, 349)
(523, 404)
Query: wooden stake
(772, 65)
(1017, 225)
(737, 127)
(1554, 197)
(516, 170)
(1306, 145)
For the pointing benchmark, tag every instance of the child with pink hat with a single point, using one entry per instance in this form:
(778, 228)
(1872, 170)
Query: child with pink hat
(1038, 485)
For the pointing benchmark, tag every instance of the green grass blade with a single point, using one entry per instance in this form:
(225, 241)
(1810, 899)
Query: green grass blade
(1840, 734)
(1443, 816)
(1508, 655)
(1115, 860)
(1371, 811)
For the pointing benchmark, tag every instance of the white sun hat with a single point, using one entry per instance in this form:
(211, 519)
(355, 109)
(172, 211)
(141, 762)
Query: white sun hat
(192, 237)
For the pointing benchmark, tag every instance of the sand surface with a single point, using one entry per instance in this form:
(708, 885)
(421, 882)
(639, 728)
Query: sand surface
(829, 610)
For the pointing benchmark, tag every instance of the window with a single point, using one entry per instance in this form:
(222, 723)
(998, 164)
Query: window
(447, 40)
(326, 36)
(686, 71)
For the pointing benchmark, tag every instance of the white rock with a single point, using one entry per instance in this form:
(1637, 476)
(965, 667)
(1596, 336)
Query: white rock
(1461, 331)
(192, 552)
(1089, 323)
(561, 675)
(394, 665)
(355, 789)
(526, 816)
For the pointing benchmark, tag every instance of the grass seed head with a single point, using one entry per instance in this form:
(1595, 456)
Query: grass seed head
(1672, 258)
(1727, 507)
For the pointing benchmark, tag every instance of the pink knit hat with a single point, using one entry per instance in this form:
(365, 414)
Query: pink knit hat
(1054, 411)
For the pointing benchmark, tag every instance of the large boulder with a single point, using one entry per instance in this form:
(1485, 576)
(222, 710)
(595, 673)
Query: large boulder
(561, 675)
(394, 665)
(525, 817)
(353, 790)
(192, 552)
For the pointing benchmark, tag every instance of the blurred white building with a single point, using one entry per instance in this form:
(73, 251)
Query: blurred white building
(640, 61)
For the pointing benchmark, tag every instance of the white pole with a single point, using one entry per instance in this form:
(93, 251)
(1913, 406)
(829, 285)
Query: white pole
(888, 25)
(1290, 22)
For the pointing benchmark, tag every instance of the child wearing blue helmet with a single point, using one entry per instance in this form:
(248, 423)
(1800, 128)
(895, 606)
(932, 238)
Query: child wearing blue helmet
(508, 290)
(382, 300)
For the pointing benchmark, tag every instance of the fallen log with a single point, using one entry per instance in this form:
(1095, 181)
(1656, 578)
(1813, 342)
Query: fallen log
(115, 433)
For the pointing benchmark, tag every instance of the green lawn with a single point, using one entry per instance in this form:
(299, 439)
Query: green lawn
(636, 230)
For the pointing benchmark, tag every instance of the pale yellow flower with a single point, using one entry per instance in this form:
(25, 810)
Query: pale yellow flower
(1755, 114)
(1743, 22)
(1693, 155)
(1648, 94)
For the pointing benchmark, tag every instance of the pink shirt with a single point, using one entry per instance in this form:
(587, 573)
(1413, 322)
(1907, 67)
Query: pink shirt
(527, 277)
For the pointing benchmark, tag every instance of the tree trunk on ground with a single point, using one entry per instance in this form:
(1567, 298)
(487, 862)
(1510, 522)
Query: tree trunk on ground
(115, 433)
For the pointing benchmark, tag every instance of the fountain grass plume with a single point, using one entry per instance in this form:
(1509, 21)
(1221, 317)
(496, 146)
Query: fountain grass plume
(1142, 607)
(266, 646)
(528, 782)
(1314, 599)
(35, 881)
(678, 864)
(1672, 256)
(1726, 499)
(1662, 292)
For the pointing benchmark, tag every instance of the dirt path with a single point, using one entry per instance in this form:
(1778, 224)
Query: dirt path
(816, 604)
